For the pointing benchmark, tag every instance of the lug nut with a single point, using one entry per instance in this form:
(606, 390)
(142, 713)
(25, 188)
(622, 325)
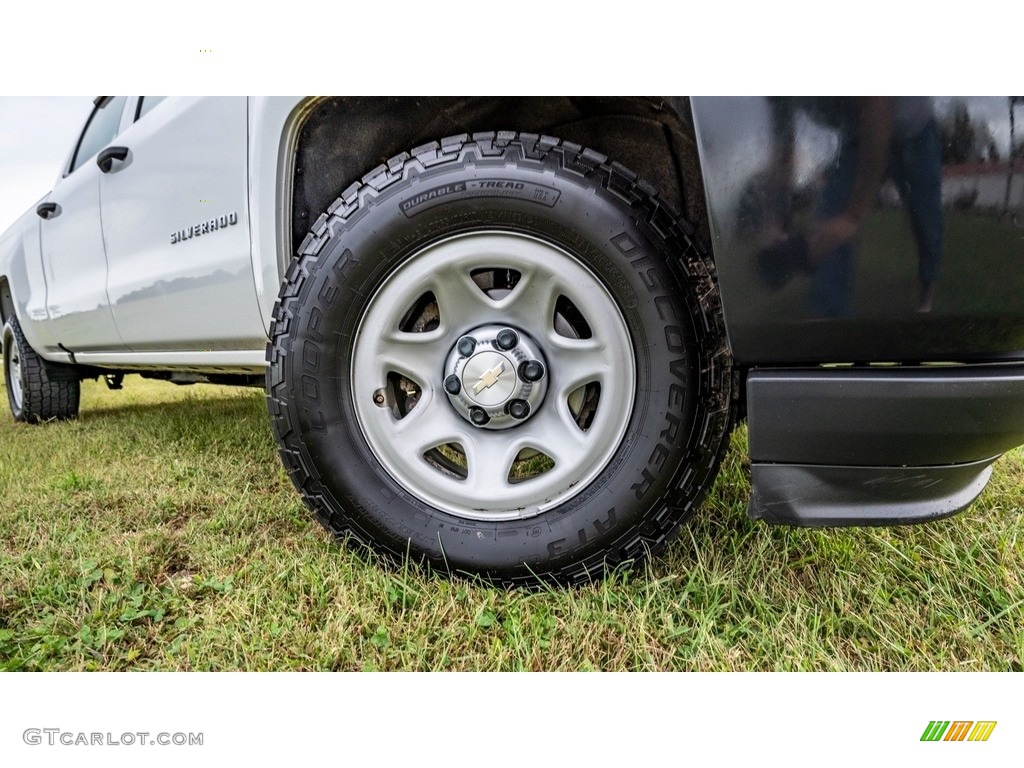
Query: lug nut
(507, 338)
(519, 409)
(531, 370)
(452, 385)
(478, 416)
(466, 346)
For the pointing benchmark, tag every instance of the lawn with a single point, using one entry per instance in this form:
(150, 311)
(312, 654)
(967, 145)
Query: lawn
(160, 532)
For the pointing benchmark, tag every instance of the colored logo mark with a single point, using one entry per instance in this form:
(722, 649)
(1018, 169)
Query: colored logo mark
(958, 730)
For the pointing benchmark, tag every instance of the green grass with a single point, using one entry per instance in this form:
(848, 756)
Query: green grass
(159, 532)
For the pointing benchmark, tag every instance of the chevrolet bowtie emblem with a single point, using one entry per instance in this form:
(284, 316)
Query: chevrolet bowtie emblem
(489, 378)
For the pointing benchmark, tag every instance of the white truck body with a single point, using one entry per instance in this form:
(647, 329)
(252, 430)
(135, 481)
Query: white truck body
(173, 258)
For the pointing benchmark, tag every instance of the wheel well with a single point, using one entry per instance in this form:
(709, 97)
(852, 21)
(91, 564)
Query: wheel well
(343, 138)
(6, 301)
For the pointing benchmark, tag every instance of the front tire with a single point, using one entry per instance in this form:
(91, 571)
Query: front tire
(32, 393)
(398, 385)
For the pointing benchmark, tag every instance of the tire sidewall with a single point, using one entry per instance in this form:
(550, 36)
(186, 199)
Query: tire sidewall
(10, 339)
(604, 522)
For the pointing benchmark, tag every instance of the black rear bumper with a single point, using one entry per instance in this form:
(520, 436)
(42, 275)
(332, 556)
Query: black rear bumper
(878, 446)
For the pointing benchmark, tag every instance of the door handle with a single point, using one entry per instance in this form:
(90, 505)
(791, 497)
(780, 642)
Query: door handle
(48, 210)
(105, 159)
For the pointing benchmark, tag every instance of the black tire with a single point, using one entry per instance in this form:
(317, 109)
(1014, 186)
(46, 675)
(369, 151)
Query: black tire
(33, 394)
(527, 193)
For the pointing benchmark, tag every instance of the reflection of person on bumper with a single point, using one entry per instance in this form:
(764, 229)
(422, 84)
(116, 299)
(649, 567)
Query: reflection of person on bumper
(879, 137)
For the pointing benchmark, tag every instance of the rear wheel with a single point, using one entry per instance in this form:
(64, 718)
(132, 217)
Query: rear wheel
(32, 392)
(503, 356)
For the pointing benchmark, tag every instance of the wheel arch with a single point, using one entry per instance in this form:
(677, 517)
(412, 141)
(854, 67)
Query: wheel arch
(6, 300)
(340, 139)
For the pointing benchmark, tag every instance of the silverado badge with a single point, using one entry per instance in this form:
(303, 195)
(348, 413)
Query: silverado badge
(204, 227)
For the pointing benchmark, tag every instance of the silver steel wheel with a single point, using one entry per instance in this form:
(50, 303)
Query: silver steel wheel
(12, 362)
(428, 438)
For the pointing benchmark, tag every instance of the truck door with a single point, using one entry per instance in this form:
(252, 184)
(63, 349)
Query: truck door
(176, 227)
(72, 242)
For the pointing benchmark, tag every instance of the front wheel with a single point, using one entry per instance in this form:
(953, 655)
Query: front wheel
(503, 356)
(33, 393)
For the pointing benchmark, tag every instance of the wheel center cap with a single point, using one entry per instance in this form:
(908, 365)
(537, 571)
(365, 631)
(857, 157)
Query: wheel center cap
(489, 378)
(495, 377)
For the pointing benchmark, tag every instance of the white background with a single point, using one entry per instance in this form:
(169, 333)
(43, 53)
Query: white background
(515, 720)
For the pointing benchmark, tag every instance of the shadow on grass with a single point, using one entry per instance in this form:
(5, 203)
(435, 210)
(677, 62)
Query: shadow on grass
(208, 405)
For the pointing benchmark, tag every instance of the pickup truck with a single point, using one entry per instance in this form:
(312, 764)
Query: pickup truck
(510, 337)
